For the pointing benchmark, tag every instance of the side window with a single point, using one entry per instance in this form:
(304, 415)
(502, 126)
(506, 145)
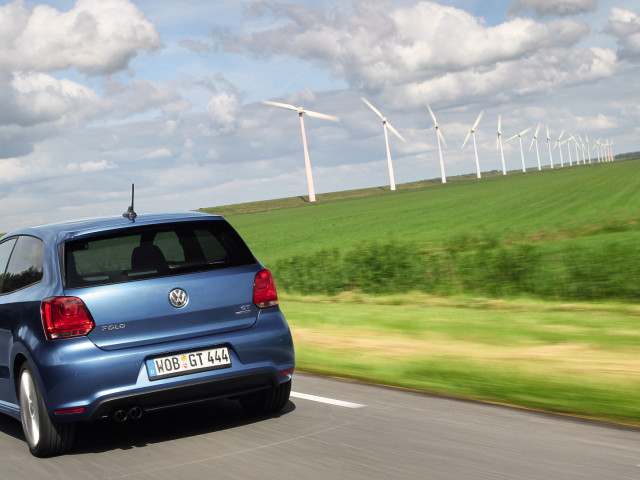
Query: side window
(25, 265)
(5, 252)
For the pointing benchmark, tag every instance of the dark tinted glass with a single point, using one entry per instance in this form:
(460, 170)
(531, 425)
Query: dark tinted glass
(5, 252)
(149, 252)
(25, 264)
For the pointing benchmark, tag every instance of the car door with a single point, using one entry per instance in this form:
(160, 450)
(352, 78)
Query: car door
(21, 266)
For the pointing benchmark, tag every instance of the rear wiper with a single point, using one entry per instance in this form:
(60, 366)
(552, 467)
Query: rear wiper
(185, 267)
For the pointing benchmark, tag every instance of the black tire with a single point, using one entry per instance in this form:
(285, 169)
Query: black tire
(44, 437)
(271, 400)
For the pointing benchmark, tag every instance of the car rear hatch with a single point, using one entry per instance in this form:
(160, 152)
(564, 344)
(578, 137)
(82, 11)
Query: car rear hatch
(159, 283)
(141, 313)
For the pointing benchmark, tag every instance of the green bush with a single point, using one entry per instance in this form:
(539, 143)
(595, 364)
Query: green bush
(593, 268)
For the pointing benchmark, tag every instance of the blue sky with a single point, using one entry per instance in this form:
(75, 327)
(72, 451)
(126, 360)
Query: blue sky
(97, 94)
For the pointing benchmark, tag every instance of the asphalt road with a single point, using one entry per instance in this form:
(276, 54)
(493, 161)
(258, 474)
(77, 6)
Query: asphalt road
(368, 433)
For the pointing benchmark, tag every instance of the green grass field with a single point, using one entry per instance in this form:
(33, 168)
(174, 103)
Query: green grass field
(520, 289)
(540, 206)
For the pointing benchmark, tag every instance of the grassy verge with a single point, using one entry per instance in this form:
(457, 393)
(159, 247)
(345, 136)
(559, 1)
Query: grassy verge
(582, 359)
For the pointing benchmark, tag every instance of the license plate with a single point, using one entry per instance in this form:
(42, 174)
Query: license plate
(191, 362)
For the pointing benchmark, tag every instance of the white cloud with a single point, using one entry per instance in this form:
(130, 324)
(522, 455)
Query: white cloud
(626, 26)
(223, 110)
(140, 96)
(91, 166)
(42, 98)
(413, 50)
(95, 36)
(158, 153)
(42, 50)
(544, 8)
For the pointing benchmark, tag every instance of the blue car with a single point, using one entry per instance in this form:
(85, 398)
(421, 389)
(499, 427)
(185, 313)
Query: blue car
(116, 317)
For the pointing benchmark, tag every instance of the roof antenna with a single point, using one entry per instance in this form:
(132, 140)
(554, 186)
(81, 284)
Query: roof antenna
(130, 213)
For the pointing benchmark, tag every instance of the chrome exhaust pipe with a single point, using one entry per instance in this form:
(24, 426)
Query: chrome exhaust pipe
(120, 416)
(135, 413)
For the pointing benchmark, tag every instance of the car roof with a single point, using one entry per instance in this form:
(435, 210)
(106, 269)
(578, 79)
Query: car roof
(62, 231)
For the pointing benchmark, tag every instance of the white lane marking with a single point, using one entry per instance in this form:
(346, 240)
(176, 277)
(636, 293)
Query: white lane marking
(330, 401)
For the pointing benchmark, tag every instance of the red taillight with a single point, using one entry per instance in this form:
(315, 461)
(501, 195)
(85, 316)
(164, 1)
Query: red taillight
(65, 317)
(70, 410)
(264, 290)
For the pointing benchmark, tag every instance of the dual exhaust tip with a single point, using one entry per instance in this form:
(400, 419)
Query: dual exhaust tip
(122, 415)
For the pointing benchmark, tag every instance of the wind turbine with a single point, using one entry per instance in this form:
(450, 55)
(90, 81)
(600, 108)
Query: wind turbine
(588, 148)
(596, 147)
(307, 164)
(559, 145)
(472, 133)
(535, 139)
(499, 144)
(576, 143)
(439, 137)
(584, 158)
(519, 135)
(549, 148)
(385, 125)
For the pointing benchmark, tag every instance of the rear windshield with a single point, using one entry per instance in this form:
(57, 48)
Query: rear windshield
(168, 249)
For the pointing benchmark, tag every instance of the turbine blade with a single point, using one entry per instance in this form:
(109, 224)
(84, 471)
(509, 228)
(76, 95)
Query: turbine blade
(433, 117)
(537, 131)
(442, 138)
(466, 139)
(477, 120)
(375, 110)
(561, 134)
(511, 138)
(526, 130)
(532, 140)
(498, 141)
(281, 105)
(397, 134)
(499, 123)
(333, 118)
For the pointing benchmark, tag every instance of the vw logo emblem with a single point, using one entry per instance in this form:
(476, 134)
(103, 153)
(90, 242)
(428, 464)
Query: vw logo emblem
(178, 298)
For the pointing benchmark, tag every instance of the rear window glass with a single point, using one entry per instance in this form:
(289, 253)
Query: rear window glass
(167, 249)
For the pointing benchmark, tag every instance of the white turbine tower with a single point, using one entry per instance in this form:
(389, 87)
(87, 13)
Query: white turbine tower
(385, 125)
(559, 145)
(535, 139)
(519, 135)
(586, 137)
(549, 148)
(567, 141)
(499, 145)
(472, 133)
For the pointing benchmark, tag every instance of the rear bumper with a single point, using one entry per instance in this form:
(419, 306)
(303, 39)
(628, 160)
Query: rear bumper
(174, 396)
(90, 383)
